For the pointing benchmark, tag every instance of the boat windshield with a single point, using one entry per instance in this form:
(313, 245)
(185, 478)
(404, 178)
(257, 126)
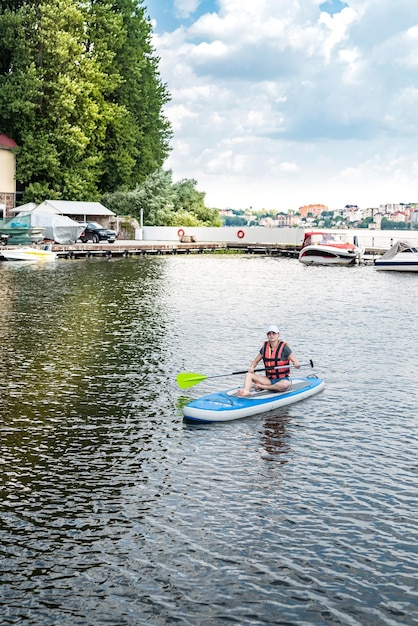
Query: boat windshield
(324, 238)
(329, 238)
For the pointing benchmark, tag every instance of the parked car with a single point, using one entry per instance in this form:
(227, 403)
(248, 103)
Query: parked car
(96, 232)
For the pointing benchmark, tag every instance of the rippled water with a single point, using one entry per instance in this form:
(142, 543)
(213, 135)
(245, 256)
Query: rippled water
(114, 511)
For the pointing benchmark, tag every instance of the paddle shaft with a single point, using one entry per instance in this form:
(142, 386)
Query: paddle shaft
(263, 369)
(188, 379)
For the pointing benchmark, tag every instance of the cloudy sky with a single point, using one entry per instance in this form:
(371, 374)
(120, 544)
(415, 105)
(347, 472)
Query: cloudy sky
(280, 103)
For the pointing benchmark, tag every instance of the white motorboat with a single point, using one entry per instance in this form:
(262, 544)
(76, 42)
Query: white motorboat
(27, 253)
(320, 248)
(402, 257)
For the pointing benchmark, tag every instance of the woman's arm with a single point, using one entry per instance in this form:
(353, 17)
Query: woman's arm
(255, 363)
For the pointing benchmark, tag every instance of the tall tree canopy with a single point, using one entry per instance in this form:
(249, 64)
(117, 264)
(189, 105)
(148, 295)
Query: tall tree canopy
(80, 93)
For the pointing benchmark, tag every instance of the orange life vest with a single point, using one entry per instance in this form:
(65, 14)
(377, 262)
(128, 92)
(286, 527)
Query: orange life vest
(273, 358)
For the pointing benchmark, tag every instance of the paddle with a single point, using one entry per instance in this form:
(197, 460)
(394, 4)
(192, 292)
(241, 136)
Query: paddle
(188, 379)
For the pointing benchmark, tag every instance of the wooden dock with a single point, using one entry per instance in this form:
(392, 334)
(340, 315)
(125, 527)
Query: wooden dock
(132, 248)
(148, 248)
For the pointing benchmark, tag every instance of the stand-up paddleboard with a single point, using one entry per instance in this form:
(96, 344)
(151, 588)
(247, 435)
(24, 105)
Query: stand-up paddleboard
(224, 406)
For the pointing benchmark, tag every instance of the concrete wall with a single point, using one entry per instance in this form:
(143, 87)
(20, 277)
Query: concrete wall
(227, 234)
(379, 239)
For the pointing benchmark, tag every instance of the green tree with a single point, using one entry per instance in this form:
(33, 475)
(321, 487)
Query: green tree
(72, 101)
(153, 201)
(387, 224)
(365, 222)
(49, 100)
(160, 202)
(234, 220)
(189, 205)
(138, 136)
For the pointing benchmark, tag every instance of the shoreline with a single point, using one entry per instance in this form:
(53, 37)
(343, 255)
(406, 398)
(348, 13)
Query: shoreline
(131, 248)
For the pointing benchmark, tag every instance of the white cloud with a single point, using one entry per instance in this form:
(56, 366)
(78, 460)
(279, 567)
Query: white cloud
(278, 103)
(185, 8)
(289, 167)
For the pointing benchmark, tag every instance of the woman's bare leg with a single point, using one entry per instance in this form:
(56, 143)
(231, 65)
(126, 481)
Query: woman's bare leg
(251, 378)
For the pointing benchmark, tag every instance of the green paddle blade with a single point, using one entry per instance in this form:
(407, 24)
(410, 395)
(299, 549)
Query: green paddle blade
(188, 379)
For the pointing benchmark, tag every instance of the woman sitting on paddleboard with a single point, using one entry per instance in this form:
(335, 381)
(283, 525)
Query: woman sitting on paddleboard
(275, 354)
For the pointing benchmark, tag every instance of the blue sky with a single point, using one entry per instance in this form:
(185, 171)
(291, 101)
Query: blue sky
(172, 14)
(281, 103)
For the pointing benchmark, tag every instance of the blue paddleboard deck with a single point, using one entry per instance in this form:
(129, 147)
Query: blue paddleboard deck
(224, 406)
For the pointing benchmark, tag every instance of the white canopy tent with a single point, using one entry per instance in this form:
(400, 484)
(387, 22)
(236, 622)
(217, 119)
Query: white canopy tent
(58, 228)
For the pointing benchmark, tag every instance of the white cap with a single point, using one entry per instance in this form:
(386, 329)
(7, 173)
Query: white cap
(272, 329)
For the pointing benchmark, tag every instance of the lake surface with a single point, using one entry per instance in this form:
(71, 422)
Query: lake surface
(116, 512)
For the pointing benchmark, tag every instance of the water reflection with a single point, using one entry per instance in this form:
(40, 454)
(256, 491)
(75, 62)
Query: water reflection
(81, 343)
(89, 323)
(275, 437)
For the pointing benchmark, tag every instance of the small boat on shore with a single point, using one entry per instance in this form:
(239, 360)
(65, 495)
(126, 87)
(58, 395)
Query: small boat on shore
(225, 406)
(402, 257)
(321, 248)
(27, 253)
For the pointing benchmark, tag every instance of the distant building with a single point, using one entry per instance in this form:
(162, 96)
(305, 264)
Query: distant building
(294, 220)
(390, 208)
(370, 212)
(314, 209)
(353, 213)
(377, 219)
(409, 211)
(283, 220)
(399, 216)
(7, 175)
